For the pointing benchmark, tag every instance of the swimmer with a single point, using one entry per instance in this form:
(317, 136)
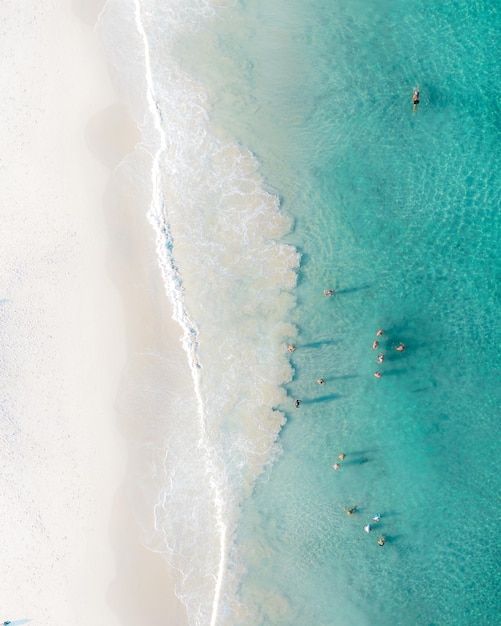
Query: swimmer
(367, 528)
(375, 345)
(328, 292)
(380, 333)
(320, 381)
(415, 97)
(297, 403)
(381, 541)
(400, 347)
(380, 358)
(351, 511)
(377, 517)
(341, 456)
(377, 374)
(291, 348)
(336, 466)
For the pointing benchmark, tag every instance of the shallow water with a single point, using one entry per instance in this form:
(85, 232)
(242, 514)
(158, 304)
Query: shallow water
(398, 212)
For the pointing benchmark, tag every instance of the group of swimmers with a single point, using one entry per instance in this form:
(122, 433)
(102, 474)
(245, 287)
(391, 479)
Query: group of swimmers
(400, 347)
(368, 528)
(353, 509)
(382, 540)
(375, 345)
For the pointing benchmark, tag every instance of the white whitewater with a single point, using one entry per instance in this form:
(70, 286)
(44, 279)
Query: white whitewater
(229, 280)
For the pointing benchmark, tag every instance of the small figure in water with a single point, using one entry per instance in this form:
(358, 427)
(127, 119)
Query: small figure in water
(380, 358)
(380, 333)
(415, 98)
(351, 511)
(320, 381)
(375, 345)
(291, 348)
(377, 517)
(400, 347)
(377, 374)
(328, 292)
(336, 466)
(341, 456)
(381, 541)
(367, 528)
(297, 403)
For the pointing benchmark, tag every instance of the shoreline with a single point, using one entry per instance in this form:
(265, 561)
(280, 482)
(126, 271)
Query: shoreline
(156, 363)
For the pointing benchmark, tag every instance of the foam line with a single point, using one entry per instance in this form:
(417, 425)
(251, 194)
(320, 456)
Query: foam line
(174, 286)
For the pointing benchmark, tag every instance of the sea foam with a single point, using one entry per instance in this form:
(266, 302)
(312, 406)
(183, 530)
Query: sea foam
(230, 282)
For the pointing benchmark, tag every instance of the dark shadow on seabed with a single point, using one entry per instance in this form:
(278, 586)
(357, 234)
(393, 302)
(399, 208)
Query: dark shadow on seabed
(395, 356)
(361, 453)
(318, 344)
(360, 460)
(340, 292)
(332, 396)
(392, 538)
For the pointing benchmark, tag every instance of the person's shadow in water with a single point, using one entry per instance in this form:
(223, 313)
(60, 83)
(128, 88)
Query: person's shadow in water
(319, 344)
(358, 460)
(341, 292)
(326, 398)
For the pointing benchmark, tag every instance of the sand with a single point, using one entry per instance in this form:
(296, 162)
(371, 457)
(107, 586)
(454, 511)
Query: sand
(71, 549)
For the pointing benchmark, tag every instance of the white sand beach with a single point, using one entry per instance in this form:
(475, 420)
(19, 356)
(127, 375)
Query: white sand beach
(70, 548)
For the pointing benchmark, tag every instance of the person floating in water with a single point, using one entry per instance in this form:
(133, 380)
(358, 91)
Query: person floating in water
(341, 456)
(400, 347)
(377, 517)
(415, 98)
(380, 358)
(320, 381)
(381, 541)
(297, 403)
(291, 347)
(377, 374)
(351, 511)
(367, 528)
(328, 292)
(336, 466)
(380, 333)
(375, 345)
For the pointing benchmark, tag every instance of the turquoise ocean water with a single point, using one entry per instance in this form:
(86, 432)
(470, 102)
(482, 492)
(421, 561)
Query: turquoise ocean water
(396, 210)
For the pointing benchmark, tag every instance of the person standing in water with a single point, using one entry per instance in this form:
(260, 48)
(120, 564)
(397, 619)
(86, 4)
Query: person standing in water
(415, 99)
